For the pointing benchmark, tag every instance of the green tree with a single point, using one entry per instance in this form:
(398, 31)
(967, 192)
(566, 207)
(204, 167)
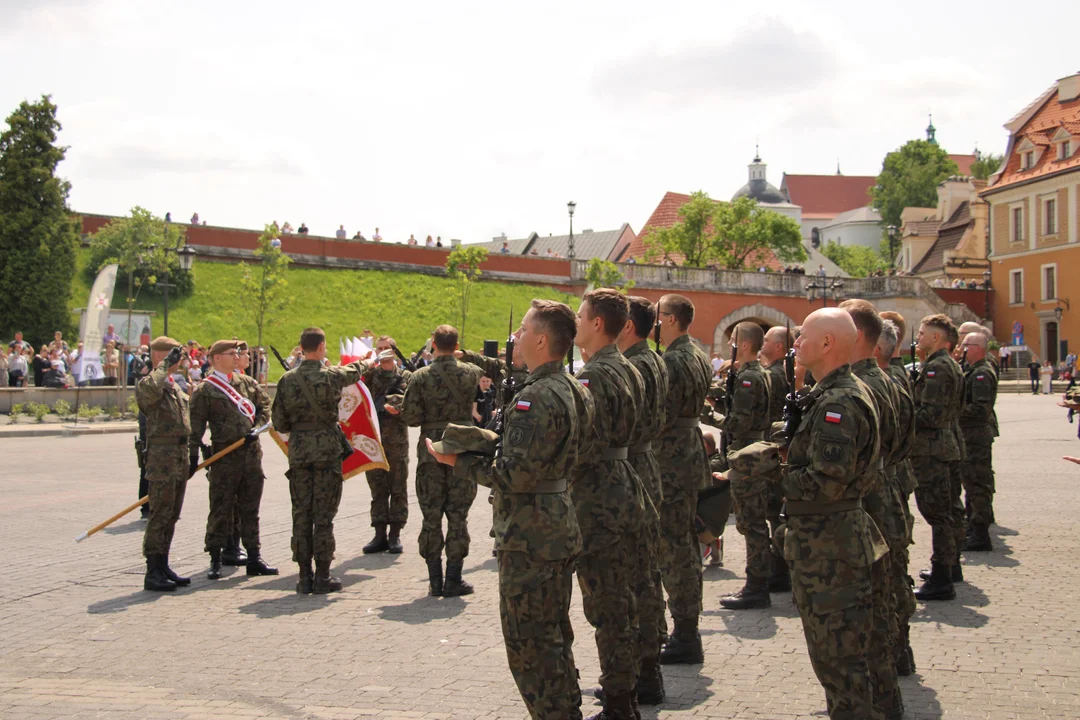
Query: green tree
(264, 287)
(689, 238)
(909, 178)
(463, 266)
(985, 165)
(604, 273)
(39, 238)
(856, 260)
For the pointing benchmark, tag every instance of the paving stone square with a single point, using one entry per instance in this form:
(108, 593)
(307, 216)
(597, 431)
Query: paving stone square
(79, 638)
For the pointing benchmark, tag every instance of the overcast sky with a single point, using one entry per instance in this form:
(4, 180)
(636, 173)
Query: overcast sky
(467, 119)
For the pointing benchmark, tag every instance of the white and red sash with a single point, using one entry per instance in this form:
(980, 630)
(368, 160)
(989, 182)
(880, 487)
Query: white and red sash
(245, 406)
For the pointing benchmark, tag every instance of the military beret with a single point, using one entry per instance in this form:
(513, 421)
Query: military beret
(755, 459)
(163, 344)
(776, 432)
(466, 438)
(221, 346)
(241, 346)
(386, 355)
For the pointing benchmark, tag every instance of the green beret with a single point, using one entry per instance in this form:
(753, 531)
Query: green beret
(163, 344)
(459, 439)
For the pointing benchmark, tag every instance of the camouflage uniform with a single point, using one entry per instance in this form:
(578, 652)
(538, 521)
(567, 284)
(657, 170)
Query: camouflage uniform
(831, 544)
(746, 423)
(684, 469)
(494, 368)
(778, 392)
(314, 473)
(167, 429)
(390, 488)
(934, 394)
(650, 419)
(432, 404)
(537, 535)
(236, 480)
(609, 500)
(979, 425)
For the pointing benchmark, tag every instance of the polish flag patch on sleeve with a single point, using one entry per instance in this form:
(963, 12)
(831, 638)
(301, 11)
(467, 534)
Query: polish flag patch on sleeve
(584, 381)
(747, 383)
(980, 377)
(523, 405)
(931, 373)
(832, 417)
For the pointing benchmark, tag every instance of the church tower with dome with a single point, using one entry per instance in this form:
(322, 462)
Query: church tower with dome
(767, 196)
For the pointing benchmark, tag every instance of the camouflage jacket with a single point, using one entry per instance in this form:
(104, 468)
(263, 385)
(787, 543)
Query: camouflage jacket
(833, 457)
(293, 414)
(210, 406)
(905, 410)
(494, 368)
(680, 452)
(431, 403)
(385, 384)
(977, 419)
(165, 406)
(778, 390)
(607, 493)
(936, 395)
(748, 417)
(542, 440)
(650, 418)
(884, 393)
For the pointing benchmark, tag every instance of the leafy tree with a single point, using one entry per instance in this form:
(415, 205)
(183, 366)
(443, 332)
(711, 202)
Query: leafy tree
(463, 266)
(264, 287)
(689, 238)
(856, 260)
(39, 237)
(985, 165)
(909, 178)
(604, 273)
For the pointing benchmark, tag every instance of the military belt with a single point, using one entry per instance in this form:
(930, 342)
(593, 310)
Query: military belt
(170, 441)
(686, 422)
(614, 453)
(424, 427)
(821, 507)
(312, 426)
(640, 449)
(549, 487)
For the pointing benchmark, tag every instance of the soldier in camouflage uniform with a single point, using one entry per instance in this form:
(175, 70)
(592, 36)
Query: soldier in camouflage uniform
(440, 394)
(248, 386)
(649, 590)
(167, 429)
(935, 392)
(315, 454)
(609, 499)
(778, 341)
(236, 480)
(831, 544)
(957, 468)
(537, 535)
(389, 488)
(684, 469)
(979, 425)
(745, 423)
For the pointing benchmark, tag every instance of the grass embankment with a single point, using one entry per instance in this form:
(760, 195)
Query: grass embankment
(407, 306)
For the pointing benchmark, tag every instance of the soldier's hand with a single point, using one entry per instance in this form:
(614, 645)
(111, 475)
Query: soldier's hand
(450, 460)
(251, 437)
(719, 478)
(459, 354)
(1071, 459)
(391, 409)
(174, 356)
(193, 464)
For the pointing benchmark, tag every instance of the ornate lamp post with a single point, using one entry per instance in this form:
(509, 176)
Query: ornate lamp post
(570, 206)
(186, 255)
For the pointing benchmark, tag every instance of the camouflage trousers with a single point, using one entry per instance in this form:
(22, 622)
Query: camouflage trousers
(898, 536)
(834, 601)
(957, 470)
(390, 488)
(933, 497)
(751, 499)
(534, 606)
(879, 505)
(978, 482)
(440, 494)
(680, 561)
(315, 489)
(166, 501)
(235, 487)
(648, 587)
(606, 578)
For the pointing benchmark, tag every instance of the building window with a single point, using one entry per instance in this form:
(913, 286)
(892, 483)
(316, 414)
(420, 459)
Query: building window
(1018, 224)
(1064, 150)
(1050, 225)
(1016, 287)
(1029, 159)
(1049, 282)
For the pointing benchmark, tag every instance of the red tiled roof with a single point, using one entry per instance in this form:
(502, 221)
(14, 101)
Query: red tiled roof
(828, 195)
(963, 163)
(1045, 121)
(666, 215)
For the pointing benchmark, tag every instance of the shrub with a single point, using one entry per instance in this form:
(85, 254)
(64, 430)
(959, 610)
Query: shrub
(113, 412)
(17, 410)
(38, 410)
(132, 404)
(90, 412)
(62, 408)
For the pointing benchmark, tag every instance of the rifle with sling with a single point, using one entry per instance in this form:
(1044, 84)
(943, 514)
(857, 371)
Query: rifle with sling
(656, 335)
(729, 387)
(792, 408)
(914, 367)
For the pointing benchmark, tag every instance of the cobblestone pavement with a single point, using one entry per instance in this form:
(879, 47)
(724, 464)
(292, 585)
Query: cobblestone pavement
(79, 637)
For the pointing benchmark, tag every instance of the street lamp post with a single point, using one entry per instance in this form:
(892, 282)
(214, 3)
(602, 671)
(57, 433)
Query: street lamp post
(570, 206)
(892, 252)
(821, 286)
(186, 254)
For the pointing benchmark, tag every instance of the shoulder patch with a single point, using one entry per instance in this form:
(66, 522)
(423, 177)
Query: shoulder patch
(833, 417)
(584, 381)
(523, 405)
(747, 383)
(931, 373)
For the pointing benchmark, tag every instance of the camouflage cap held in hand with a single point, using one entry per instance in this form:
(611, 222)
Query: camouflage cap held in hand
(459, 439)
(755, 459)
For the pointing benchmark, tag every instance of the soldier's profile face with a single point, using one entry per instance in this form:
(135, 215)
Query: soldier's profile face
(526, 340)
(585, 328)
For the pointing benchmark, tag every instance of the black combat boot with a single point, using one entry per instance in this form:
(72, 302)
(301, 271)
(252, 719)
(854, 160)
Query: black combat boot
(232, 554)
(616, 707)
(896, 707)
(780, 580)
(905, 665)
(979, 539)
(394, 540)
(455, 586)
(435, 578)
(155, 579)
(307, 578)
(650, 684)
(180, 581)
(755, 594)
(956, 573)
(684, 645)
(378, 543)
(257, 566)
(938, 586)
(324, 582)
(215, 565)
